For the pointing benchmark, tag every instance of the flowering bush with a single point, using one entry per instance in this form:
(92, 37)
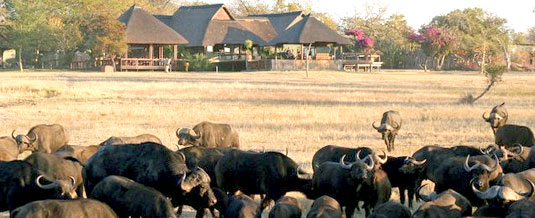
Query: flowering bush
(362, 43)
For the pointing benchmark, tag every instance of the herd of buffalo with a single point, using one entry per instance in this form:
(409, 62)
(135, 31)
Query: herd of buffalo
(140, 177)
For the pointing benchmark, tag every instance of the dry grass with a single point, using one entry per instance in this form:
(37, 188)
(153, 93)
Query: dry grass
(271, 110)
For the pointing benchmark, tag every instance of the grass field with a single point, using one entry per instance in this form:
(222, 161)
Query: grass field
(271, 110)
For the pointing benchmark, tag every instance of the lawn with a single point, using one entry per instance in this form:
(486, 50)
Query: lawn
(271, 110)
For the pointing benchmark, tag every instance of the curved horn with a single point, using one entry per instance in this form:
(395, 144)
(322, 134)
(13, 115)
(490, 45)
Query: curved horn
(73, 180)
(418, 163)
(49, 186)
(381, 160)
(490, 193)
(182, 185)
(13, 135)
(34, 139)
(303, 175)
(371, 165)
(467, 167)
(177, 131)
(357, 156)
(485, 118)
(286, 151)
(425, 198)
(520, 148)
(183, 156)
(375, 127)
(487, 168)
(344, 165)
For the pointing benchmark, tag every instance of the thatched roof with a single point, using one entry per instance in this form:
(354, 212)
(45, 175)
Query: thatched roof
(209, 25)
(309, 30)
(143, 28)
(281, 21)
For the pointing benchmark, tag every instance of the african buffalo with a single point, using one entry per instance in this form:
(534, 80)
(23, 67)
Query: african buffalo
(375, 191)
(405, 181)
(286, 207)
(207, 134)
(114, 140)
(390, 125)
(497, 118)
(521, 209)
(510, 134)
(500, 197)
(59, 168)
(447, 204)
(325, 207)
(517, 158)
(43, 138)
(270, 173)
(519, 182)
(391, 209)
(8, 149)
(205, 158)
(343, 181)
(82, 153)
(129, 198)
(21, 183)
(242, 206)
(333, 153)
(153, 165)
(84, 208)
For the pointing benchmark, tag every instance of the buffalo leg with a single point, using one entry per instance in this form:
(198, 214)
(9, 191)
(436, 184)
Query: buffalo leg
(392, 142)
(387, 144)
(350, 210)
(401, 195)
(200, 212)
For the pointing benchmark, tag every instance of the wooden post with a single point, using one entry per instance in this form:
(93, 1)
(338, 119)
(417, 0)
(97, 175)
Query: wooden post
(275, 57)
(308, 55)
(160, 51)
(175, 52)
(151, 51)
(302, 51)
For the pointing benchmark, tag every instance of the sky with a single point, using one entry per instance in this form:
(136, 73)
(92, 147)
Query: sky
(519, 13)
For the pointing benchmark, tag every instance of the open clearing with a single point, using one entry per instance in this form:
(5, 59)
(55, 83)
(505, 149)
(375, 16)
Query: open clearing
(271, 110)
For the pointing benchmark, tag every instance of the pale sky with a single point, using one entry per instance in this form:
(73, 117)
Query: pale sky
(519, 13)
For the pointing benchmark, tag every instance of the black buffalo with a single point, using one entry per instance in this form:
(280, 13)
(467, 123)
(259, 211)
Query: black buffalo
(517, 159)
(84, 208)
(59, 168)
(152, 165)
(9, 150)
(509, 135)
(269, 173)
(325, 207)
(448, 203)
(391, 209)
(286, 207)
(207, 134)
(390, 125)
(43, 138)
(375, 191)
(521, 209)
(405, 181)
(129, 198)
(114, 140)
(82, 153)
(242, 206)
(21, 183)
(497, 118)
(333, 153)
(343, 181)
(205, 158)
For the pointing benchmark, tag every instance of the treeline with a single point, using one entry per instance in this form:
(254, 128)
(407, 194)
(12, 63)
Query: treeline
(462, 39)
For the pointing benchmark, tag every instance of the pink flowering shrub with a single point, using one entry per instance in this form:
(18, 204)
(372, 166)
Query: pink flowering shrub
(362, 42)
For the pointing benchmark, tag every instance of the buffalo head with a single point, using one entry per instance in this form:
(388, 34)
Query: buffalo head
(66, 189)
(412, 166)
(482, 173)
(498, 116)
(502, 194)
(360, 169)
(25, 142)
(197, 185)
(187, 136)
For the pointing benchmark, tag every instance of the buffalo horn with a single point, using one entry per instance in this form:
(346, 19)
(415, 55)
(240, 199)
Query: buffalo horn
(183, 156)
(13, 135)
(301, 174)
(32, 140)
(182, 181)
(520, 148)
(468, 168)
(371, 165)
(49, 186)
(382, 160)
(490, 193)
(488, 169)
(425, 198)
(375, 127)
(417, 163)
(73, 180)
(344, 165)
(485, 118)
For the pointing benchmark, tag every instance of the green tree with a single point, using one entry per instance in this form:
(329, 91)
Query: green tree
(481, 35)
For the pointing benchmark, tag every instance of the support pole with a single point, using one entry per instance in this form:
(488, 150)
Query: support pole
(151, 51)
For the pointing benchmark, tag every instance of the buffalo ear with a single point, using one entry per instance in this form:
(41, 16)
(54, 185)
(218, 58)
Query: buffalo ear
(73, 159)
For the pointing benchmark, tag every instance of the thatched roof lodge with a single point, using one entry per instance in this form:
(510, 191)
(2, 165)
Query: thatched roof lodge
(212, 29)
